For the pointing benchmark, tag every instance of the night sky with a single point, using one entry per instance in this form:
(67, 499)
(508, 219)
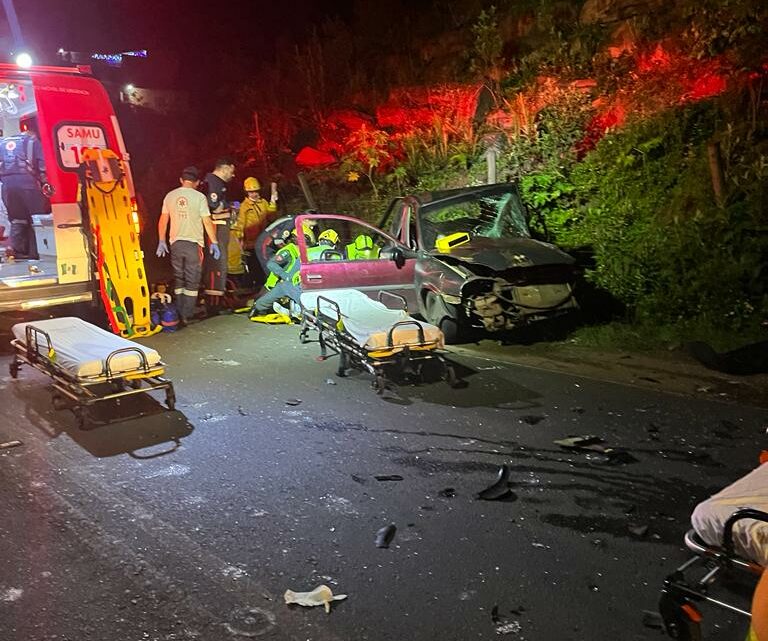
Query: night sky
(197, 33)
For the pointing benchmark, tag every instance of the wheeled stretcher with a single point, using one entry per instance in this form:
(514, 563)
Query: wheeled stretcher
(729, 537)
(87, 364)
(369, 336)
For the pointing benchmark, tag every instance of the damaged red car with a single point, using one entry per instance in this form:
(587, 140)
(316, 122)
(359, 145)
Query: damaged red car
(464, 260)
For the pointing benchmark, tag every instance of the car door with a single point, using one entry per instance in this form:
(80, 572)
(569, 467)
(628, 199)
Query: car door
(391, 269)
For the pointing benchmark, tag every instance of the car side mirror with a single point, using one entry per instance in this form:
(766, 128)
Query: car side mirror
(398, 256)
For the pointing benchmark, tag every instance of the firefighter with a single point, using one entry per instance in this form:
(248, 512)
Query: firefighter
(186, 210)
(215, 269)
(327, 240)
(284, 279)
(362, 248)
(25, 188)
(252, 218)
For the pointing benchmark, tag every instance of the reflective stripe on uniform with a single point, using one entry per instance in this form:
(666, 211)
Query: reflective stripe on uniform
(292, 268)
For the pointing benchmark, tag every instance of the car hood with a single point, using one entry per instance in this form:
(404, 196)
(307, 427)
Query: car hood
(504, 253)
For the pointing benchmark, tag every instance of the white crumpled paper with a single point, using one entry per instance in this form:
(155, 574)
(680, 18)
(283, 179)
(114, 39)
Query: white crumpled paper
(321, 595)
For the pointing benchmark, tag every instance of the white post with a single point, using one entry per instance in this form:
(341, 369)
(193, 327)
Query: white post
(490, 158)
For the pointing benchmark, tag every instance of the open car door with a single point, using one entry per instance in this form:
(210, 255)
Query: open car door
(362, 257)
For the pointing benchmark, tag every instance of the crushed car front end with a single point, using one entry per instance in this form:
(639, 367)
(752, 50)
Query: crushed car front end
(502, 284)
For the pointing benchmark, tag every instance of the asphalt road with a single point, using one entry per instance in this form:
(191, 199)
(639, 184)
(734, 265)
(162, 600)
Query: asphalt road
(192, 524)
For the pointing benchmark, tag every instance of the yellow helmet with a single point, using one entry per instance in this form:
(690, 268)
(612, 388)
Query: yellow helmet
(309, 234)
(251, 184)
(329, 235)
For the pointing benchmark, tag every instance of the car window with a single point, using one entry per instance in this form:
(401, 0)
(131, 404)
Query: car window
(494, 216)
(353, 241)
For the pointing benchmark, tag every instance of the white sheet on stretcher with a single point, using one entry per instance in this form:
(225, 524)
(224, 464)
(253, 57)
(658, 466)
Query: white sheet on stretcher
(368, 321)
(82, 348)
(750, 537)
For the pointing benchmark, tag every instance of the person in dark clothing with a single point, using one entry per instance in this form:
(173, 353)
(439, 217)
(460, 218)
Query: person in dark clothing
(215, 269)
(22, 173)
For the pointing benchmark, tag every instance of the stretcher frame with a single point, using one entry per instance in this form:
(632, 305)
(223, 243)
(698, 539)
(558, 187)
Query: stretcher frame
(680, 616)
(406, 359)
(84, 392)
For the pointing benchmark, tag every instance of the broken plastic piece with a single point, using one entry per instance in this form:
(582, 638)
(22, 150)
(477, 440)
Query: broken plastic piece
(579, 442)
(385, 535)
(293, 401)
(9, 444)
(321, 595)
(613, 456)
(499, 489)
(388, 477)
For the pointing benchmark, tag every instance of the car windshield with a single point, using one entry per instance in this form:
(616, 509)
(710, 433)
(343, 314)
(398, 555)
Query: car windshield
(497, 215)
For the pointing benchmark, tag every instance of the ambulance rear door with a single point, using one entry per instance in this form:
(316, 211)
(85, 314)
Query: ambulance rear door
(74, 114)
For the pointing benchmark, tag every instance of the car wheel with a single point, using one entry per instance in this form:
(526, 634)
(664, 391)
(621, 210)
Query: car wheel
(443, 315)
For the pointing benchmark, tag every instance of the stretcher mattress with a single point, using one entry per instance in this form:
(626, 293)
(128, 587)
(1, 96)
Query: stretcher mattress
(750, 537)
(82, 348)
(369, 321)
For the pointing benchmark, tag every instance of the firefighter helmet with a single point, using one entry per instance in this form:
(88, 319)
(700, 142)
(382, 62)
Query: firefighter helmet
(251, 184)
(309, 234)
(330, 235)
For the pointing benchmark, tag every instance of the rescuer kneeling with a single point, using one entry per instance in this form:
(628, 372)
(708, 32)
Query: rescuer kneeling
(283, 281)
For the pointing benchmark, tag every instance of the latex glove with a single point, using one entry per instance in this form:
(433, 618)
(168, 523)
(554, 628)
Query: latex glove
(214, 250)
(162, 249)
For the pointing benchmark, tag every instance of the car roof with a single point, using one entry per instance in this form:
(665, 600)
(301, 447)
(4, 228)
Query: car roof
(447, 195)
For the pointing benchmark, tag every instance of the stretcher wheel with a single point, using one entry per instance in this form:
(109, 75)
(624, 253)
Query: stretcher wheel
(379, 383)
(13, 368)
(170, 399)
(450, 376)
(682, 620)
(82, 416)
(58, 402)
(135, 383)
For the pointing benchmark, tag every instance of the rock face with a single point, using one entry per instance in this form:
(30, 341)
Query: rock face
(607, 11)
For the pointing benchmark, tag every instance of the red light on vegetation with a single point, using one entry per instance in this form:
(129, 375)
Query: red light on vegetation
(657, 60)
(705, 86)
(310, 157)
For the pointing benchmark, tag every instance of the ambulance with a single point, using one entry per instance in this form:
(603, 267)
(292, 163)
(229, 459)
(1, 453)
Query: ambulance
(73, 115)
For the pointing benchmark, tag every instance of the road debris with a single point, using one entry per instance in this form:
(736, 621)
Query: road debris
(388, 477)
(611, 455)
(9, 444)
(330, 381)
(293, 401)
(385, 535)
(321, 595)
(638, 530)
(504, 626)
(652, 620)
(447, 492)
(513, 627)
(499, 489)
(532, 419)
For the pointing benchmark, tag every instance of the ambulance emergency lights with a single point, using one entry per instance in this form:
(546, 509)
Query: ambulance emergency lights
(24, 60)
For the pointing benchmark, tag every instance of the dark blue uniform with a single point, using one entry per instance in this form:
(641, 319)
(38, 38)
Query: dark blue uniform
(22, 172)
(215, 271)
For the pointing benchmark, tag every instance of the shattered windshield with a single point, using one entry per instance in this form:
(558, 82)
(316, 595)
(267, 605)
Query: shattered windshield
(498, 215)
